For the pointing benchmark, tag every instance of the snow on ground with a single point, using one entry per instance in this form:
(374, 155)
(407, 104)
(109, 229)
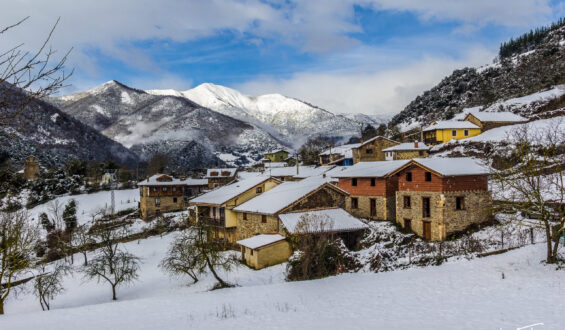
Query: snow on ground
(460, 294)
(87, 204)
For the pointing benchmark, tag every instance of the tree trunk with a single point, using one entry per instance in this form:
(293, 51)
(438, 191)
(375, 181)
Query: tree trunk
(222, 282)
(548, 237)
(1, 307)
(114, 292)
(85, 259)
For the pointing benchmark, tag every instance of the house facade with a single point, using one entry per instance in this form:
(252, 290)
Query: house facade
(442, 196)
(371, 188)
(31, 168)
(162, 193)
(276, 155)
(339, 155)
(216, 208)
(218, 177)
(264, 250)
(444, 131)
(371, 150)
(408, 150)
(490, 120)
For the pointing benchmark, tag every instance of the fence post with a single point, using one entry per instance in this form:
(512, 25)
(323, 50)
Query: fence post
(532, 235)
(502, 239)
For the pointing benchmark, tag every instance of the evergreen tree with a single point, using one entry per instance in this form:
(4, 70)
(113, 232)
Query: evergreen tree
(70, 216)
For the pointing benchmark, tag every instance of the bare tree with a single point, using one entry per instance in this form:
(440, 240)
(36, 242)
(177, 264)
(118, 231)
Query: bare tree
(115, 266)
(18, 238)
(83, 240)
(183, 259)
(49, 284)
(37, 73)
(533, 180)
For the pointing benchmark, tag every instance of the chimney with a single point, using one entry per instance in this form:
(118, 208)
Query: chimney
(324, 175)
(416, 144)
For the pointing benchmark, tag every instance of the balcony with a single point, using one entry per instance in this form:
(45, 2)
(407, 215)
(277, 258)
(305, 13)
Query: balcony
(214, 222)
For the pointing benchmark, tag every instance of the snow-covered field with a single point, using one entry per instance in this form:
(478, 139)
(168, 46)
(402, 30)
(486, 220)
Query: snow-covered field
(88, 204)
(460, 294)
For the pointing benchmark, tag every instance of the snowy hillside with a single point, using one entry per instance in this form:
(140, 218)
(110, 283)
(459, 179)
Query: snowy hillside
(148, 124)
(499, 292)
(289, 119)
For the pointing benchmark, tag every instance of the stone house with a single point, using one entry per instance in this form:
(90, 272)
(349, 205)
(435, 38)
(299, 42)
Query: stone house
(216, 207)
(372, 189)
(31, 168)
(490, 120)
(437, 197)
(444, 131)
(407, 150)
(264, 250)
(260, 215)
(339, 155)
(162, 193)
(218, 177)
(371, 150)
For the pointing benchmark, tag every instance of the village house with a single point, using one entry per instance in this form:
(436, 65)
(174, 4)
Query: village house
(372, 189)
(265, 250)
(218, 177)
(371, 150)
(408, 150)
(279, 155)
(31, 168)
(216, 208)
(162, 193)
(293, 173)
(260, 215)
(443, 131)
(339, 155)
(490, 120)
(437, 197)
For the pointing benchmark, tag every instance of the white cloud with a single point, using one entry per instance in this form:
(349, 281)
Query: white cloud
(382, 91)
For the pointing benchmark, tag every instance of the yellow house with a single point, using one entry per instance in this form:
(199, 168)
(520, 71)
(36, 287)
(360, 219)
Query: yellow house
(215, 207)
(264, 250)
(443, 131)
(276, 155)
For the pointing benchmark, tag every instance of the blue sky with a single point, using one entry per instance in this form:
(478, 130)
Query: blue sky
(370, 56)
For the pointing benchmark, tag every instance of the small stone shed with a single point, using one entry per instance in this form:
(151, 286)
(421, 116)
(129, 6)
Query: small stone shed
(264, 250)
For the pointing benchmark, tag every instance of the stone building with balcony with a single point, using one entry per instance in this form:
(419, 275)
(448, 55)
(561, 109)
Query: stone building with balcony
(218, 177)
(216, 208)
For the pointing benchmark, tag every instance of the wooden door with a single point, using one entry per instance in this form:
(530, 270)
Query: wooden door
(373, 203)
(407, 225)
(427, 230)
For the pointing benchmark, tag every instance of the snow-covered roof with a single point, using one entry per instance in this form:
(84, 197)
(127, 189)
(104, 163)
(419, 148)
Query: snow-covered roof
(498, 116)
(281, 196)
(303, 171)
(167, 180)
(275, 151)
(373, 139)
(261, 240)
(451, 124)
(408, 146)
(328, 220)
(225, 193)
(454, 166)
(220, 172)
(275, 164)
(346, 150)
(371, 169)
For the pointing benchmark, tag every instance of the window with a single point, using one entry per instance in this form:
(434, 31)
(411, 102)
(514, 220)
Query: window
(244, 216)
(354, 203)
(421, 153)
(174, 188)
(407, 202)
(186, 199)
(164, 188)
(428, 176)
(263, 218)
(369, 151)
(354, 182)
(454, 133)
(214, 212)
(373, 182)
(251, 251)
(426, 212)
(459, 203)
(157, 201)
(466, 132)
(174, 199)
(408, 176)
(258, 190)
(141, 192)
(154, 189)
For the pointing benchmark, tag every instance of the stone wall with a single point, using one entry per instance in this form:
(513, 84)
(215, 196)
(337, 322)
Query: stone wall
(445, 219)
(31, 168)
(323, 198)
(148, 208)
(254, 225)
(410, 154)
(376, 147)
(385, 209)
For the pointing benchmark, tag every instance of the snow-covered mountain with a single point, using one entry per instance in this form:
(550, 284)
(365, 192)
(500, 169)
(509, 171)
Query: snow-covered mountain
(373, 120)
(189, 134)
(290, 120)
